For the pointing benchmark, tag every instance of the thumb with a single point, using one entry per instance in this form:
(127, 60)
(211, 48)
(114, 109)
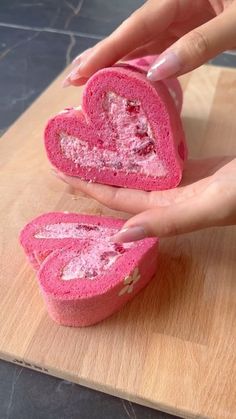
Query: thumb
(197, 46)
(169, 221)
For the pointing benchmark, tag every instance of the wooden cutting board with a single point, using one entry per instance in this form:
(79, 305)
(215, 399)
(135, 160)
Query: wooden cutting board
(173, 348)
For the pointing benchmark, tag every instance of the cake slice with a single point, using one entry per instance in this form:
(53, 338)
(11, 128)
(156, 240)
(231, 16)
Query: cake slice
(128, 132)
(83, 276)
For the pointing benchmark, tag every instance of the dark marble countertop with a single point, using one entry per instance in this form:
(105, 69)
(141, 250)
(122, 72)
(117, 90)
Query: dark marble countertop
(38, 38)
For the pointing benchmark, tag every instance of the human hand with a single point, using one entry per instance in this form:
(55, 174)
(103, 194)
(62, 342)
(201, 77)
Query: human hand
(186, 33)
(205, 198)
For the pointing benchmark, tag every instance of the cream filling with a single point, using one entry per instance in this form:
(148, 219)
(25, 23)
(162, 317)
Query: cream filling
(73, 231)
(93, 261)
(134, 141)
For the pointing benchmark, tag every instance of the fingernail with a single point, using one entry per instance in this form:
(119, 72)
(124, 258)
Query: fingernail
(66, 82)
(74, 75)
(80, 81)
(129, 234)
(166, 65)
(78, 59)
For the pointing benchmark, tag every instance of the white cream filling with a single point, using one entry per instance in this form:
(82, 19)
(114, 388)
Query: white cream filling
(73, 230)
(135, 144)
(93, 261)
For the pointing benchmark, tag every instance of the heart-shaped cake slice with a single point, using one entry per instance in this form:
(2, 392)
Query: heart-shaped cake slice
(127, 133)
(85, 277)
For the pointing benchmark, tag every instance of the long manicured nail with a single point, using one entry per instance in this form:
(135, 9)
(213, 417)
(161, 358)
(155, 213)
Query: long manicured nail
(77, 60)
(66, 82)
(166, 65)
(79, 82)
(129, 234)
(74, 75)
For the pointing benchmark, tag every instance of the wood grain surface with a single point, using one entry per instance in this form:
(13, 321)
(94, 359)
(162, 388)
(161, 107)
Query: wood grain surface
(173, 347)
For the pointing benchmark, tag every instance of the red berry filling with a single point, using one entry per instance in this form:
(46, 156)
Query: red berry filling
(132, 107)
(93, 260)
(86, 227)
(127, 144)
(90, 273)
(106, 255)
(119, 248)
(141, 135)
(146, 148)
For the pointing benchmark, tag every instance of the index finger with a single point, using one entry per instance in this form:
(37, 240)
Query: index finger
(147, 22)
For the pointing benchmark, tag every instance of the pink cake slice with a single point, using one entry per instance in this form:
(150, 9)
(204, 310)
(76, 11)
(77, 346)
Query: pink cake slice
(83, 276)
(128, 132)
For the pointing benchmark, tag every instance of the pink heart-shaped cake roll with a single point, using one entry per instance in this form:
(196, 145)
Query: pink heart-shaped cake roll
(127, 133)
(83, 276)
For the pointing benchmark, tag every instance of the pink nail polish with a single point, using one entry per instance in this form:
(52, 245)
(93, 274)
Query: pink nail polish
(129, 234)
(66, 82)
(77, 60)
(166, 65)
(80, 81)
(74, 75)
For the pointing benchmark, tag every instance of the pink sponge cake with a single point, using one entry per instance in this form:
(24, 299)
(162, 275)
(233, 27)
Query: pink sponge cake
(127, 133)
(172, 85)
(83, 276)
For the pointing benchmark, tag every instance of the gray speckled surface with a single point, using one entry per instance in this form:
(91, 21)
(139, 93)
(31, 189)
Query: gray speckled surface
(26, 394)
(38, 38)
